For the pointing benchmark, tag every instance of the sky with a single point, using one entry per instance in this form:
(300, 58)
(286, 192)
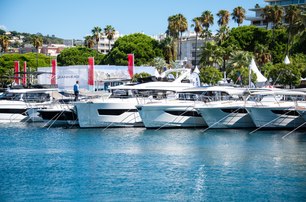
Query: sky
(74, 19)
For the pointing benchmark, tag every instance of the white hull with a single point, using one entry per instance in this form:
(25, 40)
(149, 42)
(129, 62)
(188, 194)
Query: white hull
(233, 116)
(11, 118)
(59, 116)
(170, 115)
(111, 113)
(13, 111)
(275, 117)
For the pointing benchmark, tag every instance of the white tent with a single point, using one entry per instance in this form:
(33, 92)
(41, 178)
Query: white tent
(287, 61)
(196, 70)
(260, 78)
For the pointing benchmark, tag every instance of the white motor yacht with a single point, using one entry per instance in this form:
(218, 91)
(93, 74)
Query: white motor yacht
(18, 105)
(226, 109)
(277, 109)
(177, 112)
(119, 109)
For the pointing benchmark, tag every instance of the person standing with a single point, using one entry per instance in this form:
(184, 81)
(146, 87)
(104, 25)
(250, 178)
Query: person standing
(76, 91)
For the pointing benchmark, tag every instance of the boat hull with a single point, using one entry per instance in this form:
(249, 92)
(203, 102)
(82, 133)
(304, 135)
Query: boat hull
(275, 117)
(170, 116)
(108, 114)
(226, 117)
(56, 117)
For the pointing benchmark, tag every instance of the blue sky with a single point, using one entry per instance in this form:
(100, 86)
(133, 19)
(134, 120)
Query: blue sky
(74, 19)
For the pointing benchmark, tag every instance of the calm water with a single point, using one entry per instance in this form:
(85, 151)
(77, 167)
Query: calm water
(59, 164)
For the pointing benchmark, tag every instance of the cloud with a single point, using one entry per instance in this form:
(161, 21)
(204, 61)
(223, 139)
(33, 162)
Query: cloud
(3, 27)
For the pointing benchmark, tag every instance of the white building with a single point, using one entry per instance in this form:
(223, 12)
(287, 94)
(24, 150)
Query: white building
(104, 43)
(259, 21)
(188, 48)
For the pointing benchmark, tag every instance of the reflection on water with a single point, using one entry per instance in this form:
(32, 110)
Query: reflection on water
(135, 164)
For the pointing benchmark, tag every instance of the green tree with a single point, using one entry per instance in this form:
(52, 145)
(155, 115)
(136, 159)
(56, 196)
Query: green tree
(238, 15)
(210, 75)
(262, 54)
(299, 60)
(222, 34)
(109, 32)
(142, 46)
(284, 74)
(247, 37)
(78, 56)
(239, 59)
(159, 63)
(211, 54)
(96, 31)
(89, 42)
(7, 62)
(140, 75)
(238, 67)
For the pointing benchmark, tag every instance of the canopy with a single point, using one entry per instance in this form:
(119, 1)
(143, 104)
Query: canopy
(287, 61)
(253, 67)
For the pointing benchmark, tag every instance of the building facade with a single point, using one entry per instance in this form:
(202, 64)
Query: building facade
(259, 21)
(188, 48)
(104, 44)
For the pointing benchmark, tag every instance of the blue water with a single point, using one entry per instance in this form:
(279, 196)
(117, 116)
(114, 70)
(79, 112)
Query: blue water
(136, 164)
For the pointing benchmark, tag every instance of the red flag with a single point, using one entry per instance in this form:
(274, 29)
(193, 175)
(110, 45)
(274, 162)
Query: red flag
(91, 71)
(131, 64)
(53, 72)
(16, 69)
(24, 78)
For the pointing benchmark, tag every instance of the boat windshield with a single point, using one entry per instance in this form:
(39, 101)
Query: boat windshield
(156, 94)
(26, 97)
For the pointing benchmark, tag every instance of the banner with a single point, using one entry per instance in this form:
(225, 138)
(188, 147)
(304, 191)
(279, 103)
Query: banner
(24, 78)
(16, 75)
(53, 72)
(131, 64)
(91, 72)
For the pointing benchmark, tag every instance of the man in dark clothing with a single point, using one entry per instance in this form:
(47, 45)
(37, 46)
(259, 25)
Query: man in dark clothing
(76, 91)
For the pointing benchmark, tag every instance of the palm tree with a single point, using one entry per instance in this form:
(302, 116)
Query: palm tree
(262, 54)
(197, 29)
(4, 43)
(222, 34)
(96, 31)
(207, 19)
(169, 49)
(173, 29)
(37, 42)
(177, 24)
(223, 17)
(109, 32)
(267, 15)
(292, 16)
(89, 41)
(240, 59)
(211, 54)
(238, 15)
(183, 26)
